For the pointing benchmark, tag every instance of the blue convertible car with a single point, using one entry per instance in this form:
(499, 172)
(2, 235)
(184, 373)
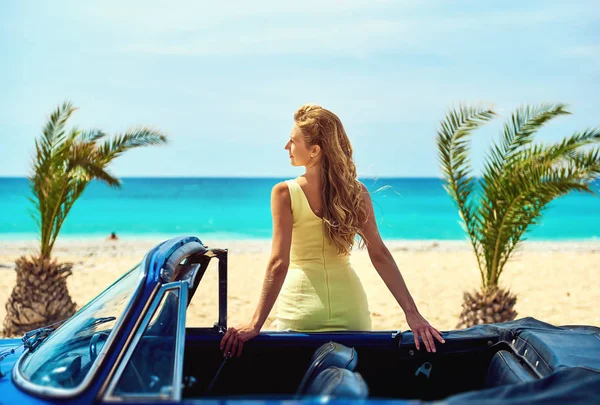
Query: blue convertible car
(130, 344)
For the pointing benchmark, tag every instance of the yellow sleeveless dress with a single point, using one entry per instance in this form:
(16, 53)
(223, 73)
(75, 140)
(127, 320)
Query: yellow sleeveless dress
(321, 291)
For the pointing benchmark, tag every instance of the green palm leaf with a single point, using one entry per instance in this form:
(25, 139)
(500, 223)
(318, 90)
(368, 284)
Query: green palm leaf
(134, 138)
(66, 161)
(453, 150)
(519, 180)
(529, 195)
(92, 135)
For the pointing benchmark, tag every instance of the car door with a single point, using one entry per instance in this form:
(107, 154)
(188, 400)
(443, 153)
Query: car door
(151, 367)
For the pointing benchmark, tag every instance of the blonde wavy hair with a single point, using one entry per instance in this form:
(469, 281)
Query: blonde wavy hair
(343, 212)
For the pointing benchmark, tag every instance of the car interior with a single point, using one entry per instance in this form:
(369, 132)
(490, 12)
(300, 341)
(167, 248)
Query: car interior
(294, 365)
(340, 364)
(355, 365)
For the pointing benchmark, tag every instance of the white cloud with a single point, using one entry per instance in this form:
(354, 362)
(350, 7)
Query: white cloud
(358, 28)
(336, 27)
(168, 15)
(354, 38)
(584, 51)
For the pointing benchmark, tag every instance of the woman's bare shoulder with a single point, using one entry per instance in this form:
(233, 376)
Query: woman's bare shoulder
(365, 191)
(281, 190)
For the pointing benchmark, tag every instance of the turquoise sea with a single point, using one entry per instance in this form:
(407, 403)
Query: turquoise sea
(238, 208)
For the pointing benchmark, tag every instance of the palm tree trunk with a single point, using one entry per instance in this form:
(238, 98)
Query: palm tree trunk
(40, 296)
(490, 305)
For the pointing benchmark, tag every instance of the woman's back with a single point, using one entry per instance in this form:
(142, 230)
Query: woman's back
(321, 291)
(309, 243)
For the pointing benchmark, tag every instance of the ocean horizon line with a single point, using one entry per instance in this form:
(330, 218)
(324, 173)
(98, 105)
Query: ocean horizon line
(251, 177)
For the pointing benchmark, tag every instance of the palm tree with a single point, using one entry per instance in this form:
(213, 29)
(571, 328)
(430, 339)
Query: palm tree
(65, 162)
(519, 180)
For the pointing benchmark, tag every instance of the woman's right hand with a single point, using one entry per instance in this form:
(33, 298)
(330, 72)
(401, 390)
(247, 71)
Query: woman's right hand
(421, 328)
(233, 341)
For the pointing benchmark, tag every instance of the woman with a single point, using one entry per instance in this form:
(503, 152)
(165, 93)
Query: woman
(315, 220)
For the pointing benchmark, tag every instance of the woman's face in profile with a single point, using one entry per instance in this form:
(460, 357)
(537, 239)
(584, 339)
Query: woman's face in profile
(299, 153)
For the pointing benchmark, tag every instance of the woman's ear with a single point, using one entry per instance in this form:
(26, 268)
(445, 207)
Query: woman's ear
(315, 150)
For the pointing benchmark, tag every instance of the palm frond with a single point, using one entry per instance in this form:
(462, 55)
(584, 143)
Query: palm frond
(524, 123)
(453, 150)
(537, 188)
(92, 135)
(66, 161)
(46, 159)
(86, 164)
(53, 132)
(533, 178)
(518, 132)
(556, 154)
(520, 179)
(134, 138)
(587, 159)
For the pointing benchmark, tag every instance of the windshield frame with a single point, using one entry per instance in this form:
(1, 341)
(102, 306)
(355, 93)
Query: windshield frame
(177, 372)
(28, 386)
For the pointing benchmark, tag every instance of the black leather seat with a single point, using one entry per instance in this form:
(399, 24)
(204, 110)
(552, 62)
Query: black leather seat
(337, 383)
(505, 369)
(329, 355)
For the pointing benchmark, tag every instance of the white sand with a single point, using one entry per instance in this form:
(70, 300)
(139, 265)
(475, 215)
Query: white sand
(556, 282)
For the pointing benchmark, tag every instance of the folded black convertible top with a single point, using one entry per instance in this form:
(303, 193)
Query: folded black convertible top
(567, 358)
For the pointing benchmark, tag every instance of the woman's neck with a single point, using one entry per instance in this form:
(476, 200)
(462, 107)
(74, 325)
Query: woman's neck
(313, 170)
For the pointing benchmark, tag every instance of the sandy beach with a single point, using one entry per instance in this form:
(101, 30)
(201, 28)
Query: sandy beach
(557, 282)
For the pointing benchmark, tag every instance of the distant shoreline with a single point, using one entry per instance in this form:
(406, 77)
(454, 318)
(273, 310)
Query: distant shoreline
(291, 176)
(28, 237)
(143, 243)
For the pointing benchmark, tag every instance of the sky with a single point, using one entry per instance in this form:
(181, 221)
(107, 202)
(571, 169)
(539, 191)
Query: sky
(223, 79)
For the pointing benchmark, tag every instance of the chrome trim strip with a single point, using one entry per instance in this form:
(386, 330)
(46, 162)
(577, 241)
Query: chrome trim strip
(222, 255)
(192, 278)
(109, 397)
(28, 386)
(130, 337)
(180, 340)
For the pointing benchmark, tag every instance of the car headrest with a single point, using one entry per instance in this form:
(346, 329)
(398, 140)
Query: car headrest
(331, 354)
(338, 382)
(504, 369)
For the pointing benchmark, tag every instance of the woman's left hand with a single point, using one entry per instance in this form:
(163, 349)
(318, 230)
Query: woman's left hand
(234, 339)
(421, 328)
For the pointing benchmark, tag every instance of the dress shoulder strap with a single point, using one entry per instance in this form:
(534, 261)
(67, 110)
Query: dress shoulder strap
(295, 196)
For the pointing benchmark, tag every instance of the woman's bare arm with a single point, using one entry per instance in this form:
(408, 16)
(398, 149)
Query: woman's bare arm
(385, 265)
(281, 210)
(280, 253)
